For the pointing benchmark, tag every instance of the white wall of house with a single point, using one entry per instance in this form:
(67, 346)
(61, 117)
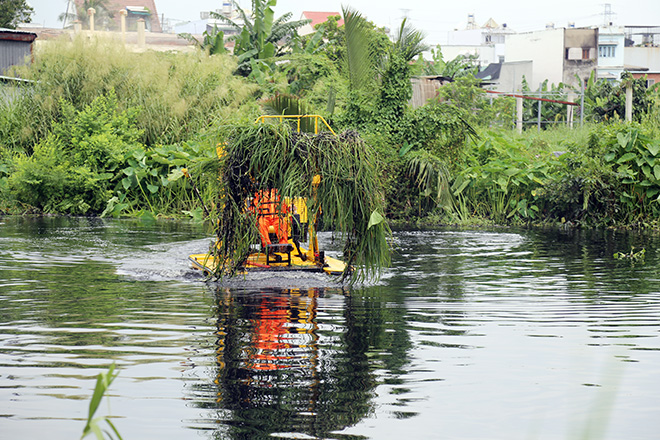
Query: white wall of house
(486, 54)
(545, 49)
(485, 42)
(511, 75)
(464, 37)
(611, 42)
(648, 57)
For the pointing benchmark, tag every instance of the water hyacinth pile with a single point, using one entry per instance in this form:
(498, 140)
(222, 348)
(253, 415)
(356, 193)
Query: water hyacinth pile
(349, 193)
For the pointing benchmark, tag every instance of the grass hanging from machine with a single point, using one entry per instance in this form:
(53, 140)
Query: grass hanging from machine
(337, 176)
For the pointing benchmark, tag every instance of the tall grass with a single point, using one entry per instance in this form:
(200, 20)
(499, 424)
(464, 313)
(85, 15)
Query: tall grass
(177, 94)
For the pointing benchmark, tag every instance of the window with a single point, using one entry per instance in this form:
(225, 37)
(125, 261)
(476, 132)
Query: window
(607, 51)
(585, 53)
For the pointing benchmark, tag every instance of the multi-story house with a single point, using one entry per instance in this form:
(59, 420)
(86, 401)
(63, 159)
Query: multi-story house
(559, 55)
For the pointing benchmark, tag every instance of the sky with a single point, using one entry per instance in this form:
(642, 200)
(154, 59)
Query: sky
(435, 18)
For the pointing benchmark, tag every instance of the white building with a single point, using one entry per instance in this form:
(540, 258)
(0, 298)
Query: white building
(611, 45)
(563, 55)
(487, 41)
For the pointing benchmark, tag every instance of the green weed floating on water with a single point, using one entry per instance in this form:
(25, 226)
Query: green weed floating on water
(93, 425)
(632, 256)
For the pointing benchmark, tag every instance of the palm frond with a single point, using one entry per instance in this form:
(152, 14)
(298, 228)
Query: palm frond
(359, 56)
(431, 176)
(284, 104)
(410, 41)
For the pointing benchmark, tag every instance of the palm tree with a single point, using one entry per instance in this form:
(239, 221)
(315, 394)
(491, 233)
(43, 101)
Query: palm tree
(103, 12)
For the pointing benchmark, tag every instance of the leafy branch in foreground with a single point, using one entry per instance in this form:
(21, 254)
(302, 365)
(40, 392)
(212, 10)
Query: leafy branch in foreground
(93, 425)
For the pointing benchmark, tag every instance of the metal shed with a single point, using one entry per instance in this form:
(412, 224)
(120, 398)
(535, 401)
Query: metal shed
(15, 46)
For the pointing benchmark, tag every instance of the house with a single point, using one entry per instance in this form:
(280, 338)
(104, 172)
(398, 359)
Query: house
(641, 54)
(611, 45)
(486, 41)
(559, 55)
(207, 23)
(15, 47)
(316, 18)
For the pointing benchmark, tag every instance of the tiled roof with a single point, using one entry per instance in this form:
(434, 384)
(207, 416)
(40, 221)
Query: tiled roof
(320, 17)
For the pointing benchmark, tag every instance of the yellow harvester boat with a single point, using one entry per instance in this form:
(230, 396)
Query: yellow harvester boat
(291, 221)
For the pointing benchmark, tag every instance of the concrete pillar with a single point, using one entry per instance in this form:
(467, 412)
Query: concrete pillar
(570, 110)
(91, 12)
(77, 27)
(629, 103)
(519, 114)
(122, 15)
(141, 38)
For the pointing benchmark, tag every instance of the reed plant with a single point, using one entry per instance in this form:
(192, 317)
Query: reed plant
(177, 94)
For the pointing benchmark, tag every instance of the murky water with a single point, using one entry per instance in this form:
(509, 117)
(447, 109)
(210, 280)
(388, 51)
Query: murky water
(470, 335)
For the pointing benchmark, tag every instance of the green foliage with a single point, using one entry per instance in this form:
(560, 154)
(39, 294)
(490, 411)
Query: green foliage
(71, 170)
(499, 180)
(152, 178)
(395, 88)
(551, 112)
(212, 43)
(305, 70)
(631, 256)
(478, 108)
(178, 94)
(260, 37)
(463, 66)
(13, 12)
(636, 160)
(93, 425)
(606, 101)
(264, 156)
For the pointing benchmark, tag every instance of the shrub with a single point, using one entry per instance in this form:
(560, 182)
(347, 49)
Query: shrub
(178, 94)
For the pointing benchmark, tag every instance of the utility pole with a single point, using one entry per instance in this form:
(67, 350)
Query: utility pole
(608, 15)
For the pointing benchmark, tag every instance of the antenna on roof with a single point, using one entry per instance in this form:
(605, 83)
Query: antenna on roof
(608, 15)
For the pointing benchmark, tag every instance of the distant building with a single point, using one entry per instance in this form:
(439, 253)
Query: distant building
(316, 18)
(136, 10)
(486, 41)
(563, 55)
(611, 45)
(641, 55)
(15, 47)
(206, 23)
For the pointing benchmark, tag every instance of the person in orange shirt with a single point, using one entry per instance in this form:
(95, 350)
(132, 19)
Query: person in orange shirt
(270, 216)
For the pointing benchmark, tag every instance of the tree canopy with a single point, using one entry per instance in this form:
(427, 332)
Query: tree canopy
(13, 12)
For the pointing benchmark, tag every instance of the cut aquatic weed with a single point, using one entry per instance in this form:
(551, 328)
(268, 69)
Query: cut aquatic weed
(631, 256)
(348, 193)
(93, 425)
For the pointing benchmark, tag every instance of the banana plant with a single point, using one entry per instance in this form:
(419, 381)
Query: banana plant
(259, 35)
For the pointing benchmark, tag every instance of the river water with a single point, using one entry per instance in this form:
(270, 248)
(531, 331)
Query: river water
(484, 334)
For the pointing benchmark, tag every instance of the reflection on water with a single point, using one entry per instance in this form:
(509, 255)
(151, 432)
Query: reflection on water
(282, 369)
(471, 334)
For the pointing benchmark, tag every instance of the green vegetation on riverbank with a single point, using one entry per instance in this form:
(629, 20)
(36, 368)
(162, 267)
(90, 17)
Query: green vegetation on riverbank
(103, 131)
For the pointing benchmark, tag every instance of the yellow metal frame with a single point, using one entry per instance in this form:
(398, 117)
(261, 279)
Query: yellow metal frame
(281, 118)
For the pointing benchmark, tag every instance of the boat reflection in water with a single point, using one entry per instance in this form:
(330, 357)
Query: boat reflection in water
(281, 372)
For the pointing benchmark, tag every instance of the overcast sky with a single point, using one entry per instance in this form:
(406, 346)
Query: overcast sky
(435, 18)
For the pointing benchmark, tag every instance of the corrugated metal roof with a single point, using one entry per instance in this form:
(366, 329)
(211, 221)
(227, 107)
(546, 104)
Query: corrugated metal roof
(15, 47)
